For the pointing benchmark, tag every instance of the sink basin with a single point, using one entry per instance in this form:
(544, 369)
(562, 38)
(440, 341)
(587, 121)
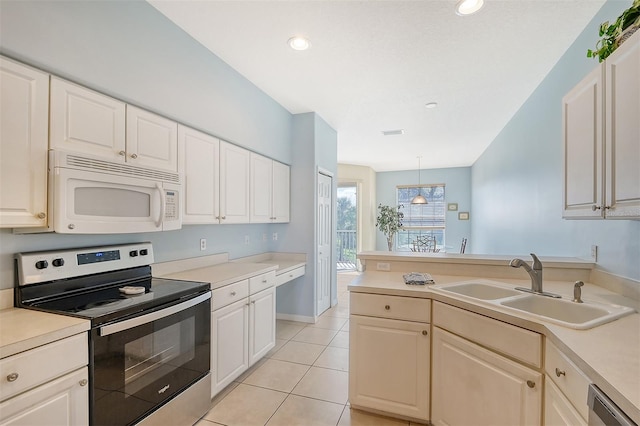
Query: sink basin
(481, 291)
(567, 313)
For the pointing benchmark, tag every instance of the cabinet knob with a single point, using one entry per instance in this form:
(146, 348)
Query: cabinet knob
(560, 372)
(607, 207)
(425, 332)
(12, 377)
(134, 156)
(42, 215)
(83, 382)
(122, 153)
(264, 281)
(595, 207)
(387, 307)
(531, 384)
(223, 217)
(253, 302)
(233, 293)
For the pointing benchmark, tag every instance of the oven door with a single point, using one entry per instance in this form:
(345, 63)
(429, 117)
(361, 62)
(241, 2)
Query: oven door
(140, 363)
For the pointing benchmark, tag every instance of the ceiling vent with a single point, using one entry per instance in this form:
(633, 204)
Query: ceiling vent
(393, 132)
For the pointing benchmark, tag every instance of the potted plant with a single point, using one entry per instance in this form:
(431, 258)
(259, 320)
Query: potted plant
(612, 35)
(389, 222)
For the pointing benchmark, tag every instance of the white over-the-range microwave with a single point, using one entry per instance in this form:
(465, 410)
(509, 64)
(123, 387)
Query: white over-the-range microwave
(90, 195)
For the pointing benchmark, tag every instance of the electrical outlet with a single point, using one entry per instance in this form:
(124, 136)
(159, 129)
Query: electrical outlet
(203, 243)
(275, 236)
(246, 240)
(264, 237)
(594, 253)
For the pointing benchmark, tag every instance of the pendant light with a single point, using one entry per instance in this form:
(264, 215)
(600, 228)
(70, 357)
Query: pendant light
(419, 199)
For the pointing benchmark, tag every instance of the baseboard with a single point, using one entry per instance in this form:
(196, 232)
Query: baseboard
(296, 318)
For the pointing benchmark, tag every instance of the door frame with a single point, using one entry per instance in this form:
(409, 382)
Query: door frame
(333, 296)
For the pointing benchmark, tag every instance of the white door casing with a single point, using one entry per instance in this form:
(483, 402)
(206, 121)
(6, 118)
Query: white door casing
(324, 237)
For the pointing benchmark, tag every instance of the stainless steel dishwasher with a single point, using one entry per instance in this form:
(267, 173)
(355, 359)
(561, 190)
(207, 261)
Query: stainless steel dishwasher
(602, 411)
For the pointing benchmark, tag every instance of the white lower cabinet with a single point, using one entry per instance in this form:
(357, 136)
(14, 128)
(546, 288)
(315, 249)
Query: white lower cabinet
(243, 327)
(473, 385)
(389, 358)
(558, 410)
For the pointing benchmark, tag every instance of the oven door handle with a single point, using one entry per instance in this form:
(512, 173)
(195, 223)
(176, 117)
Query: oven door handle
(153, 316)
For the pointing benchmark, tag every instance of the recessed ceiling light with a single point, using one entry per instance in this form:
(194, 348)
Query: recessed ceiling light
(468, 7)
(393, 132)
(431, 105)
(299, 43)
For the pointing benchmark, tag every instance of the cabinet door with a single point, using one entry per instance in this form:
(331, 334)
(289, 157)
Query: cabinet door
(261, 189)
(152, 140)
(262, 324)
(389, 366)
(558, 411)
(281, 191)
(230, 350)
(86, 121)
(64, 401)
(623, 131)
(582, 135)
(200, 166)
(234, 184)
(477, 386)
(24, 127)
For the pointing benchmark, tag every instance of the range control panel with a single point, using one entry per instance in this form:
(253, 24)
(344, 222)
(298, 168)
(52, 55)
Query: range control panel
(43, 266)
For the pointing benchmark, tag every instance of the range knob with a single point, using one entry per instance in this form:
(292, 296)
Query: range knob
(42, 264)
(58, 262)
(144, 252)
(133, 253)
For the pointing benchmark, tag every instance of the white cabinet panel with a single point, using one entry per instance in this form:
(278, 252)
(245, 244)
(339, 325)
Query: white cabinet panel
(86, 121)
(24, 127)
(234, 183)
(230, 350)
(281, 193)
(152, 140)
(200, 165)
(558, 411)
(261, 189)
(262, 324)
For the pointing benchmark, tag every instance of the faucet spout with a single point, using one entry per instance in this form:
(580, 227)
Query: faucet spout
(534, 271)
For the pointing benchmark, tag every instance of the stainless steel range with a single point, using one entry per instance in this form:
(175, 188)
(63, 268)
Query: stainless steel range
(149, 343)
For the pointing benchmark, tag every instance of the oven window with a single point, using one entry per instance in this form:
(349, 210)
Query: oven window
(155, 355)
(112, 202)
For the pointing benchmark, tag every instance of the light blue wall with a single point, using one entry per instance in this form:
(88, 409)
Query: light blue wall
(517, 182)
(457, 182)
(127, 49)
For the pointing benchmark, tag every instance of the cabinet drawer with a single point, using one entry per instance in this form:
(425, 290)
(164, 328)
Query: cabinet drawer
(395, 307)
(290, 275)
(516, 342)
(261, 282)
(34, 367)
(228, 294)
(571, 381)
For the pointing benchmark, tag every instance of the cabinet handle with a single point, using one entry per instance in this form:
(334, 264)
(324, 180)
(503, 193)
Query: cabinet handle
(223, 217)
(595, 207)
(253, 301)
(607, 207)
(425, 332)
(531, 384)
(41, 215)
(12, 377)
(83, 382)
(121, 153)
(134, 156)
(264, 281)
(560, 372)
(233, 293)
(387, 307)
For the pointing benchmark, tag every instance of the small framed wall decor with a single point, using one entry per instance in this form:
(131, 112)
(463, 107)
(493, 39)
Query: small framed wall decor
(452, 207)
(463, 216)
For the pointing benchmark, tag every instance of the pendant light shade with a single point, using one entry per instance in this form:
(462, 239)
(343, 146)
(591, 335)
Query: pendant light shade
(419, 199)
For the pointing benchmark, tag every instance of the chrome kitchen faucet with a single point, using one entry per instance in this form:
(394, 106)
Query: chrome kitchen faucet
(535, 272)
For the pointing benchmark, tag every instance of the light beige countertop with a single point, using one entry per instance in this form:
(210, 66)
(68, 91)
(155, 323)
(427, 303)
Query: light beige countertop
(24, 329)
(285, 262)
(608, 354)
(223, 273)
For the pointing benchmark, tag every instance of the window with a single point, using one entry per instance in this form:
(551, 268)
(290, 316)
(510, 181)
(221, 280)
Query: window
(421, 220)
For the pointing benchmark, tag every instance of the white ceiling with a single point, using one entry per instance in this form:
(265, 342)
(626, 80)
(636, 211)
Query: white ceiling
(373, 65)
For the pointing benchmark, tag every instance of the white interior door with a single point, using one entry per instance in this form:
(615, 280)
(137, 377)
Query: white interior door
(325, 226)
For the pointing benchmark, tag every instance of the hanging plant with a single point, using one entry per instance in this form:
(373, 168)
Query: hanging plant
(612, 34)
(389, 222)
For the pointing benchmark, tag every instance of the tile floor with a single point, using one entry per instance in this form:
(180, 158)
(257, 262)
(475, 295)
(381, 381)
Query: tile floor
(304, 380)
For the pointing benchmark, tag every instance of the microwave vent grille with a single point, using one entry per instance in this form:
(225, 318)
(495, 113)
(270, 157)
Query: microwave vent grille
(121, 169)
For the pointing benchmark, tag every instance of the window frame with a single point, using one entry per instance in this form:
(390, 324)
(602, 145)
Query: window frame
(426, 229)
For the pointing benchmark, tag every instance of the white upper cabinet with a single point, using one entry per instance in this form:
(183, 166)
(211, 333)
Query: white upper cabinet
(281, 190)
(269, 190)
(200, 165)
(234, 183)
(24, 97)
(86, 121)
(601, 133)
(152, 140)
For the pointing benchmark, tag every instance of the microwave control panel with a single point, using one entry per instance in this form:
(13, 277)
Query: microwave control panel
(171, 205)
